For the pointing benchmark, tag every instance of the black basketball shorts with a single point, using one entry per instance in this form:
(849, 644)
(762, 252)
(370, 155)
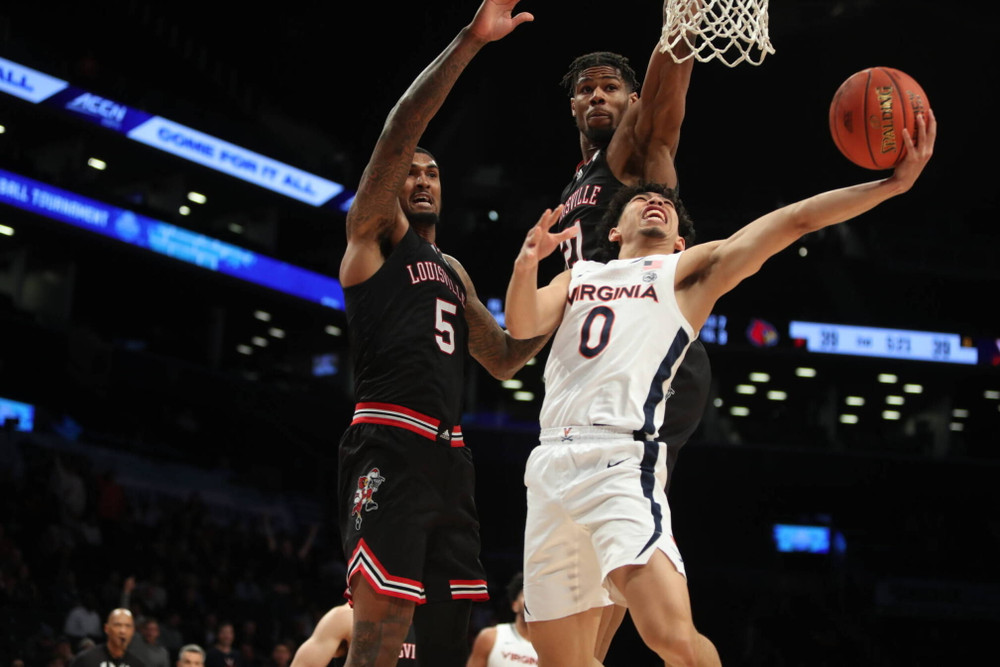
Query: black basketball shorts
(407, 514)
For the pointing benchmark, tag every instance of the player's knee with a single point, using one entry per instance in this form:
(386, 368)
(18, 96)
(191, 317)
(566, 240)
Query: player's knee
(675, 646)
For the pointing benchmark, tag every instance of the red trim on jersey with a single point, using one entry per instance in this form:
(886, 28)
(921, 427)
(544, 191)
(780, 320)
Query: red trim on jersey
(363, 561)
(478, 592)
(389, 414)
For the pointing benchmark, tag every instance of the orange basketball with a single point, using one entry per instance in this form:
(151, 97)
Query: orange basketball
(869, 112)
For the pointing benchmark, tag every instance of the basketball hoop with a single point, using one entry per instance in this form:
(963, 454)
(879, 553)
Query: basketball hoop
(732, 31)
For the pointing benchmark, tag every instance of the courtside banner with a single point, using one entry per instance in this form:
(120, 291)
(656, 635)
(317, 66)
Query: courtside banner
(165, 239)
(168, 136)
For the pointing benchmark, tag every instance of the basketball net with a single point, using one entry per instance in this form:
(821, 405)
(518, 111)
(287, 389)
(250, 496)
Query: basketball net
(732, 31)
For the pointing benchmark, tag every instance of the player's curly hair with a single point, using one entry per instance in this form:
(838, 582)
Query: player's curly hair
(596, 59)
(685, 225)
(515, 586)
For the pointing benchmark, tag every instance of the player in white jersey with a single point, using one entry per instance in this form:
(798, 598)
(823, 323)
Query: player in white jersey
(506, 644)
(598, 524)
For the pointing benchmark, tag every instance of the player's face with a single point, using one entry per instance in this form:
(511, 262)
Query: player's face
(649, 219)
(421, 194)
(599, 102)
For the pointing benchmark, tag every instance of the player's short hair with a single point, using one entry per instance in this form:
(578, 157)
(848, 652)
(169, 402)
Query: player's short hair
(596, 59)
(515, 586)
(421, 149)
(685, 226)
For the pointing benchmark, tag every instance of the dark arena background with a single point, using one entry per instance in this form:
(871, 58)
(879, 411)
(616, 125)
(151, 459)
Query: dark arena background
(174, 365)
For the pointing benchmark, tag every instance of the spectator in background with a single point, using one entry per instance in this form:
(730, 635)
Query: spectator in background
(119, 629)
(146, 645)
(191, 655)
(222, 654)
(170, 634)
(83, 619)
(281, 655)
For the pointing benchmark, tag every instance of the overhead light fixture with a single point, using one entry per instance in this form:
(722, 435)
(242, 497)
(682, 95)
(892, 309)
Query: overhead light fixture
(991, 394)
(890, 415)
(97, 163)
(6, 231)
(184, 210)
(856, 401)
(739, 411)
(235, 228)
(804, 372)
(275, 332)
(523, 396)
(532, 361)
(511, 384)
(959, 413)
(262, 315)
(717, 402)
(803, 251)
(197, 197)
(895, 400)
(493, 216)
(848, 419)
(776, 395)
(887, 378)
(913, 388)
(760, 377)
(956, 426)
(2, 129)
(746, 389)
(259, 341)
(244, 349)
(332, 330)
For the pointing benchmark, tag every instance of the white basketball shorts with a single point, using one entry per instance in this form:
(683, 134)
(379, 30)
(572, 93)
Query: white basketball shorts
(596, 502)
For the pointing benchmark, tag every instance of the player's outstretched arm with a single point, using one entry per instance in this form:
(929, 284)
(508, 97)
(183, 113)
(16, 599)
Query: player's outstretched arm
(715, 268)
(333, 630)
(645, 145)
(495, 349)
(375, 213)
(532, 311)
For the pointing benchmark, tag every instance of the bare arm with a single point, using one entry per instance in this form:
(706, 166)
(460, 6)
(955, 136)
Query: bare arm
(530, 310)
(328, 641)
(495, 349)
(708, 271)
(375, 214)
(481, 648)
(644, 146)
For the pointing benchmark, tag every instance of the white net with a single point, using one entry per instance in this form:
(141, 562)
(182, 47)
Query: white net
(731, 31)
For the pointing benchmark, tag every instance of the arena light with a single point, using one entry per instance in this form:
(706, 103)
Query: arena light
(197, 197)
(956, 426)
(760, 377)
(991, 394)
(892, 399)
(262, 315)
(746, 389)
(511, 384)
(244, 349)
(848, 419)
(168, 240)
(887, 378)
(259, 341)
(959, 413)
(184, 210)
(165, 135)
(890, 415)
(776, 395)
(97, 163)
(855, 401)
(913, 389)
(739, 411)
(718, 402)
(804, 372)
(332, 330)
(523, 396)
(6, 231)
(275, 332)
(235, 227)
(2, 129)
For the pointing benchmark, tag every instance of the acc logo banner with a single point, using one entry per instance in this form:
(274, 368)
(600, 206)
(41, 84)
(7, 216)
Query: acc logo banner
(26, 83)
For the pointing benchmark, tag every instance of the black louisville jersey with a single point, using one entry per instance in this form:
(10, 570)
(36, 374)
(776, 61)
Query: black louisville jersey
(407, 653)
(409, 338)
(585, 200)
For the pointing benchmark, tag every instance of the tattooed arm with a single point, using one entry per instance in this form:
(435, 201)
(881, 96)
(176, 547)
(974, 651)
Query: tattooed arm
(375, 215)
(494, 348)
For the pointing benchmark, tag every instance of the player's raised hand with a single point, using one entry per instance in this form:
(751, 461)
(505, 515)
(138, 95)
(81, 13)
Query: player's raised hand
(495, 20)
(540, 242)
(918, 150)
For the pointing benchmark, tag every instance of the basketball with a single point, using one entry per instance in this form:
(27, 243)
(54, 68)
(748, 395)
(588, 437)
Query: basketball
(869, 112)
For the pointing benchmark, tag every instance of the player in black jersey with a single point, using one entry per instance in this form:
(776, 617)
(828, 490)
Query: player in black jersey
(408, 518)
(626, 140)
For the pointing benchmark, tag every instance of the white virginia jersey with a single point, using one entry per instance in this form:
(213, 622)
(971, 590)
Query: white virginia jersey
(621, 338)
(511, 649)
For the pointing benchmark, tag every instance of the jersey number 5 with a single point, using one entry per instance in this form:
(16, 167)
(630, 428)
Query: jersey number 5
(607, 317)
(445, 335)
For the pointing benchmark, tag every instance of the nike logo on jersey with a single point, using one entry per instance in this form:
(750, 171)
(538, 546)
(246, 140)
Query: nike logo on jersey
(612, 465)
